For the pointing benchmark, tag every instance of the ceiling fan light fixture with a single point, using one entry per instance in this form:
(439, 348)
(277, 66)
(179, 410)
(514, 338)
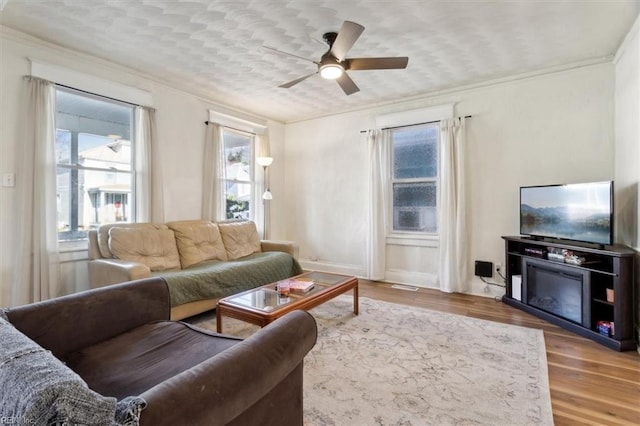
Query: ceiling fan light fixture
(331, 71)
(334, 63)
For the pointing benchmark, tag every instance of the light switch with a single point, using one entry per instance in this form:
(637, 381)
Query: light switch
(9, 180)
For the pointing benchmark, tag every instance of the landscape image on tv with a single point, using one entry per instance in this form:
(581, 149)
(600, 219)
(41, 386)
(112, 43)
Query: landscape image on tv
(580, 212)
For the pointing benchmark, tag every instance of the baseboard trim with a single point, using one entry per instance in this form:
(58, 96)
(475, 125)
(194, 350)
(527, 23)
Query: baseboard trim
(418, 279)
(335, 268)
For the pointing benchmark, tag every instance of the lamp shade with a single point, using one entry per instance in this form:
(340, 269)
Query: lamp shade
(264, 161)
(267, 195)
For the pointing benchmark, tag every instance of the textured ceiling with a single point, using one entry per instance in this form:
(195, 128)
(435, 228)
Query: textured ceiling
(215, 48)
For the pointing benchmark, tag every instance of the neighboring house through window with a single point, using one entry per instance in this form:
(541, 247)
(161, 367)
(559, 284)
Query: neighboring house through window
(95, 162)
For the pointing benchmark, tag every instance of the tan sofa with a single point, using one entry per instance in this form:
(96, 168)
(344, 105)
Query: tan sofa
(201, 261)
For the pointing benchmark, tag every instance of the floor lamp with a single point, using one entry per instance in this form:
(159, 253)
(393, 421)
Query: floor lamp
(265, 162)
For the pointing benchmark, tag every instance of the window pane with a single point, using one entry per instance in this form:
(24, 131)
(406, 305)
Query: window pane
(414, 207)
(63, 147)
(90, 114)
(415, 152)
(238, 200)
(237, 153)
(95, 133)
(88, 198)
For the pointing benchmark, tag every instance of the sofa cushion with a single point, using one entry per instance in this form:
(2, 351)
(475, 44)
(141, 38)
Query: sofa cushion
(139, 359)
(197, 241)
(36, 388)
(240, 238)
(103, 234)
(156, 248)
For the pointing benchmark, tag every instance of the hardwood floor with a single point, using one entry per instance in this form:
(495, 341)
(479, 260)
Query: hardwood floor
(590, 384)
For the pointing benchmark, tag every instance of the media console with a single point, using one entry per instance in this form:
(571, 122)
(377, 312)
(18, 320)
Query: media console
(593, 298)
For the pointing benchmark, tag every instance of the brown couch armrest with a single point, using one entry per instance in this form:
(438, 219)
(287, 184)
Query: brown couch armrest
(72, 322)
(284, 246)
(112, 271)
(222, 388)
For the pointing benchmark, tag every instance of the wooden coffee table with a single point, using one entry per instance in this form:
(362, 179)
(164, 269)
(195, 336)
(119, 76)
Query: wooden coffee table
(263, 305)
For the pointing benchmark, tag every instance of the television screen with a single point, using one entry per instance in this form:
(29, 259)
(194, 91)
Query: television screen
(579, 212)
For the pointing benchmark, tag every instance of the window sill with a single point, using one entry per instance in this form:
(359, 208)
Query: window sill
(72, 246)
(416, 240)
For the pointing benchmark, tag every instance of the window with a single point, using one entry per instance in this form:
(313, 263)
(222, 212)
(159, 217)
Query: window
(94, 158)
(415, 178)
(238, 174)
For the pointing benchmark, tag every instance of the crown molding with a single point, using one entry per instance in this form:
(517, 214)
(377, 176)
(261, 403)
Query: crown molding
(628, 39)
(35, 42)
(471, 87)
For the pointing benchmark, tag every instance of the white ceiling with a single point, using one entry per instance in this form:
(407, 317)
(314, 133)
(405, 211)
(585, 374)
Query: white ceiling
(213, 48)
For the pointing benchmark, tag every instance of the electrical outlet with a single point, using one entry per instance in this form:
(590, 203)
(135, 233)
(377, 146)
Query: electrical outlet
(9, 180)
(498, 267)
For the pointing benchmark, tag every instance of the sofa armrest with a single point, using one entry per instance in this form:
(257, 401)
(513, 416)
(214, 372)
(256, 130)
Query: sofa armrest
(219, 390)
(112, 271)
(69, 323)
(94, 248)
(285, 246)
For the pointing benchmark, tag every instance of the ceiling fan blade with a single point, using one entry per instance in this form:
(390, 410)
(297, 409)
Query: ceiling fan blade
(296, 81)
(377, 63)
(347, 85)
(280, 52)
(346, 38)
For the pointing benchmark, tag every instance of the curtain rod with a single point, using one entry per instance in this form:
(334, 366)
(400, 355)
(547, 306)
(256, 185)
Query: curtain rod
(409, 125)
(232, 128)
(69, 88)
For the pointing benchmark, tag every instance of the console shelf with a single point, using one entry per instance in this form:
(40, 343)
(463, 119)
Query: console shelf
(586, 304)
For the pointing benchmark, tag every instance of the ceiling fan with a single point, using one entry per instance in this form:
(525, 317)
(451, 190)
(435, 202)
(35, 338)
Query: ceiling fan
(333, 65)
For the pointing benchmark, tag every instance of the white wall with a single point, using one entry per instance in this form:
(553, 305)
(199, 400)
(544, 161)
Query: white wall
(627, 160)
(627, 131)
(181, 131)
(548, 129)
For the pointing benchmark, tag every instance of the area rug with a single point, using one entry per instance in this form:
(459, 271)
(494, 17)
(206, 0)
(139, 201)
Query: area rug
(401, 365)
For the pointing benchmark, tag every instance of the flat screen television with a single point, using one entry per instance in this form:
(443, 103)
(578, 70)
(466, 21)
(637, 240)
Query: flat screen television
(579, 212)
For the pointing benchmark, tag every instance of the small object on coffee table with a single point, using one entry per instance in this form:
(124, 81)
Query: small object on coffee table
(300, 286)
(283, 288)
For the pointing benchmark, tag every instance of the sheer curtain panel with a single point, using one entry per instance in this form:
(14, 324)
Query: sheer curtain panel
(213, 203)
(149, 185)
(379, 151)
(37, 265)
(453, 218)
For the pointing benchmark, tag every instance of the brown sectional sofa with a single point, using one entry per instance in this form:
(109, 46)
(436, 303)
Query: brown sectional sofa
(112, 356)
(201, 261)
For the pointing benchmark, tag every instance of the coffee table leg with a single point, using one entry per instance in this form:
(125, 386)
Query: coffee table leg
(355, 299)
(218, 320)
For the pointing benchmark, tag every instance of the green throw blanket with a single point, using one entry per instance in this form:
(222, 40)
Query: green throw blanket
(217, 279)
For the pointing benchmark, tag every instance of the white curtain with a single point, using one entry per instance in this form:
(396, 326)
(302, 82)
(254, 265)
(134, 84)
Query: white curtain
(379, 149)
(453, 221)
(149, 187)
(37, 267)
(213, 202)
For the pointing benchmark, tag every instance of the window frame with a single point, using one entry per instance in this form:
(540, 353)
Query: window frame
(408, 237)
(72, 168)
